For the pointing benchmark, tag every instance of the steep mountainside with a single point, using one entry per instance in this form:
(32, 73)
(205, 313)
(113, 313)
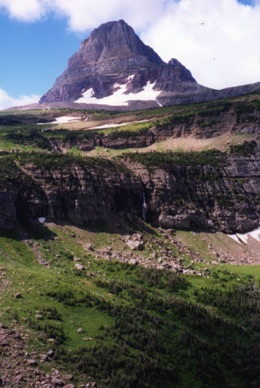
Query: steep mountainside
(114, 67)
(113, 55)
(207, 190)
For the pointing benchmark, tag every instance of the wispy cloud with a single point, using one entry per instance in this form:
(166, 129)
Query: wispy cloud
(24, 10)
(83, 15)
(7, 101)
(217, 40)
(87, 14)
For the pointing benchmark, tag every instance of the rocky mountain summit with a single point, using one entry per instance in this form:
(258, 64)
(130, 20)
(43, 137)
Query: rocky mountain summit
(114, 67)
(114, 56)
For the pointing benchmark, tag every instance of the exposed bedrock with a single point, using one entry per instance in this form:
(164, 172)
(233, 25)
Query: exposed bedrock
(214, 196)
(206, 197)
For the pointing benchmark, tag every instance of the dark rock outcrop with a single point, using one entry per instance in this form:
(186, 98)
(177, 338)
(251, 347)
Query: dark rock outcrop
(84, 194)
(7, 208)
(216, 192)
(220, 195)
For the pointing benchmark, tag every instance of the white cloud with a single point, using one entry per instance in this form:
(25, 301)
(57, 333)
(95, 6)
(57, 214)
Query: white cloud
(24, 10)
(87, 14)
(217, 40)
(7, 101)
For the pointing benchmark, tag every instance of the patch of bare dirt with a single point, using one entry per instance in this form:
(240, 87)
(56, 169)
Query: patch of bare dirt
(190, 143)
(20, 368)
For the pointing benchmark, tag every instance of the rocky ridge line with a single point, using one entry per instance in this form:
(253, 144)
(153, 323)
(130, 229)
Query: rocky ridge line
(114, 55)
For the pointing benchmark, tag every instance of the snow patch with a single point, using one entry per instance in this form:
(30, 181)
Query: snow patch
(114, 125)
(119, 97)
(255, 234)
(111, 125)
(64, 119)
(235, 238)
(243, 237)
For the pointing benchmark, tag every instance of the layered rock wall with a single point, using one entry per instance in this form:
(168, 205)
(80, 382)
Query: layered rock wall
(83, 196)
(222, 194)
(223, 197)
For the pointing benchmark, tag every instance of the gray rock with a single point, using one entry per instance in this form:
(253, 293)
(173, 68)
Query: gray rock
(135, 245)
(31, 362)
(79, 267)
(133, 262)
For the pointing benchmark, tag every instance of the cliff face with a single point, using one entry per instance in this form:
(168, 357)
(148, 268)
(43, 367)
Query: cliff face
(218, 192)
(83, 195)
(223, 196)
(7, 209)
(59, 188)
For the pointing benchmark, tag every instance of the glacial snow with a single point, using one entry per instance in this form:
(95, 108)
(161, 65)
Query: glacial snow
(243, 237)
(64, 119)
(119, 97)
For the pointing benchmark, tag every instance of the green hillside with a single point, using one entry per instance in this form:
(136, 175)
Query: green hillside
(102, 312)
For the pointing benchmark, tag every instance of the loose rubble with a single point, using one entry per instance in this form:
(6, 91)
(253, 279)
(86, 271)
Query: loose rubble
(20, 368)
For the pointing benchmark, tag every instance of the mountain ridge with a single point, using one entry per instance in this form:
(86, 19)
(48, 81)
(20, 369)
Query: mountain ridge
(108, 58)
(113, 67)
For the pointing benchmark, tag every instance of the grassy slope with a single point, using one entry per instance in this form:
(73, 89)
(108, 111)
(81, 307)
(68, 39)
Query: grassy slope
(138, 327)
(20, 130)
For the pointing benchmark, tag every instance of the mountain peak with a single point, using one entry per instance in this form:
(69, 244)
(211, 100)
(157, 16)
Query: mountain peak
(116, 40)
(114, 60)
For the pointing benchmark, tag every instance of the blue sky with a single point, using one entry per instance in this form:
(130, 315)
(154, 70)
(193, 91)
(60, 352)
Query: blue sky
(34, 54)
(217, 40)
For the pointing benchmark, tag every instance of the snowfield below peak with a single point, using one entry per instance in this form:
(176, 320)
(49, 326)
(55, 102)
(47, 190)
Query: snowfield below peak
(120, 96)
(243, 237)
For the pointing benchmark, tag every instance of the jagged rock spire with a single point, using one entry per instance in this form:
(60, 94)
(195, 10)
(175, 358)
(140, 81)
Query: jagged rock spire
(112, 54)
